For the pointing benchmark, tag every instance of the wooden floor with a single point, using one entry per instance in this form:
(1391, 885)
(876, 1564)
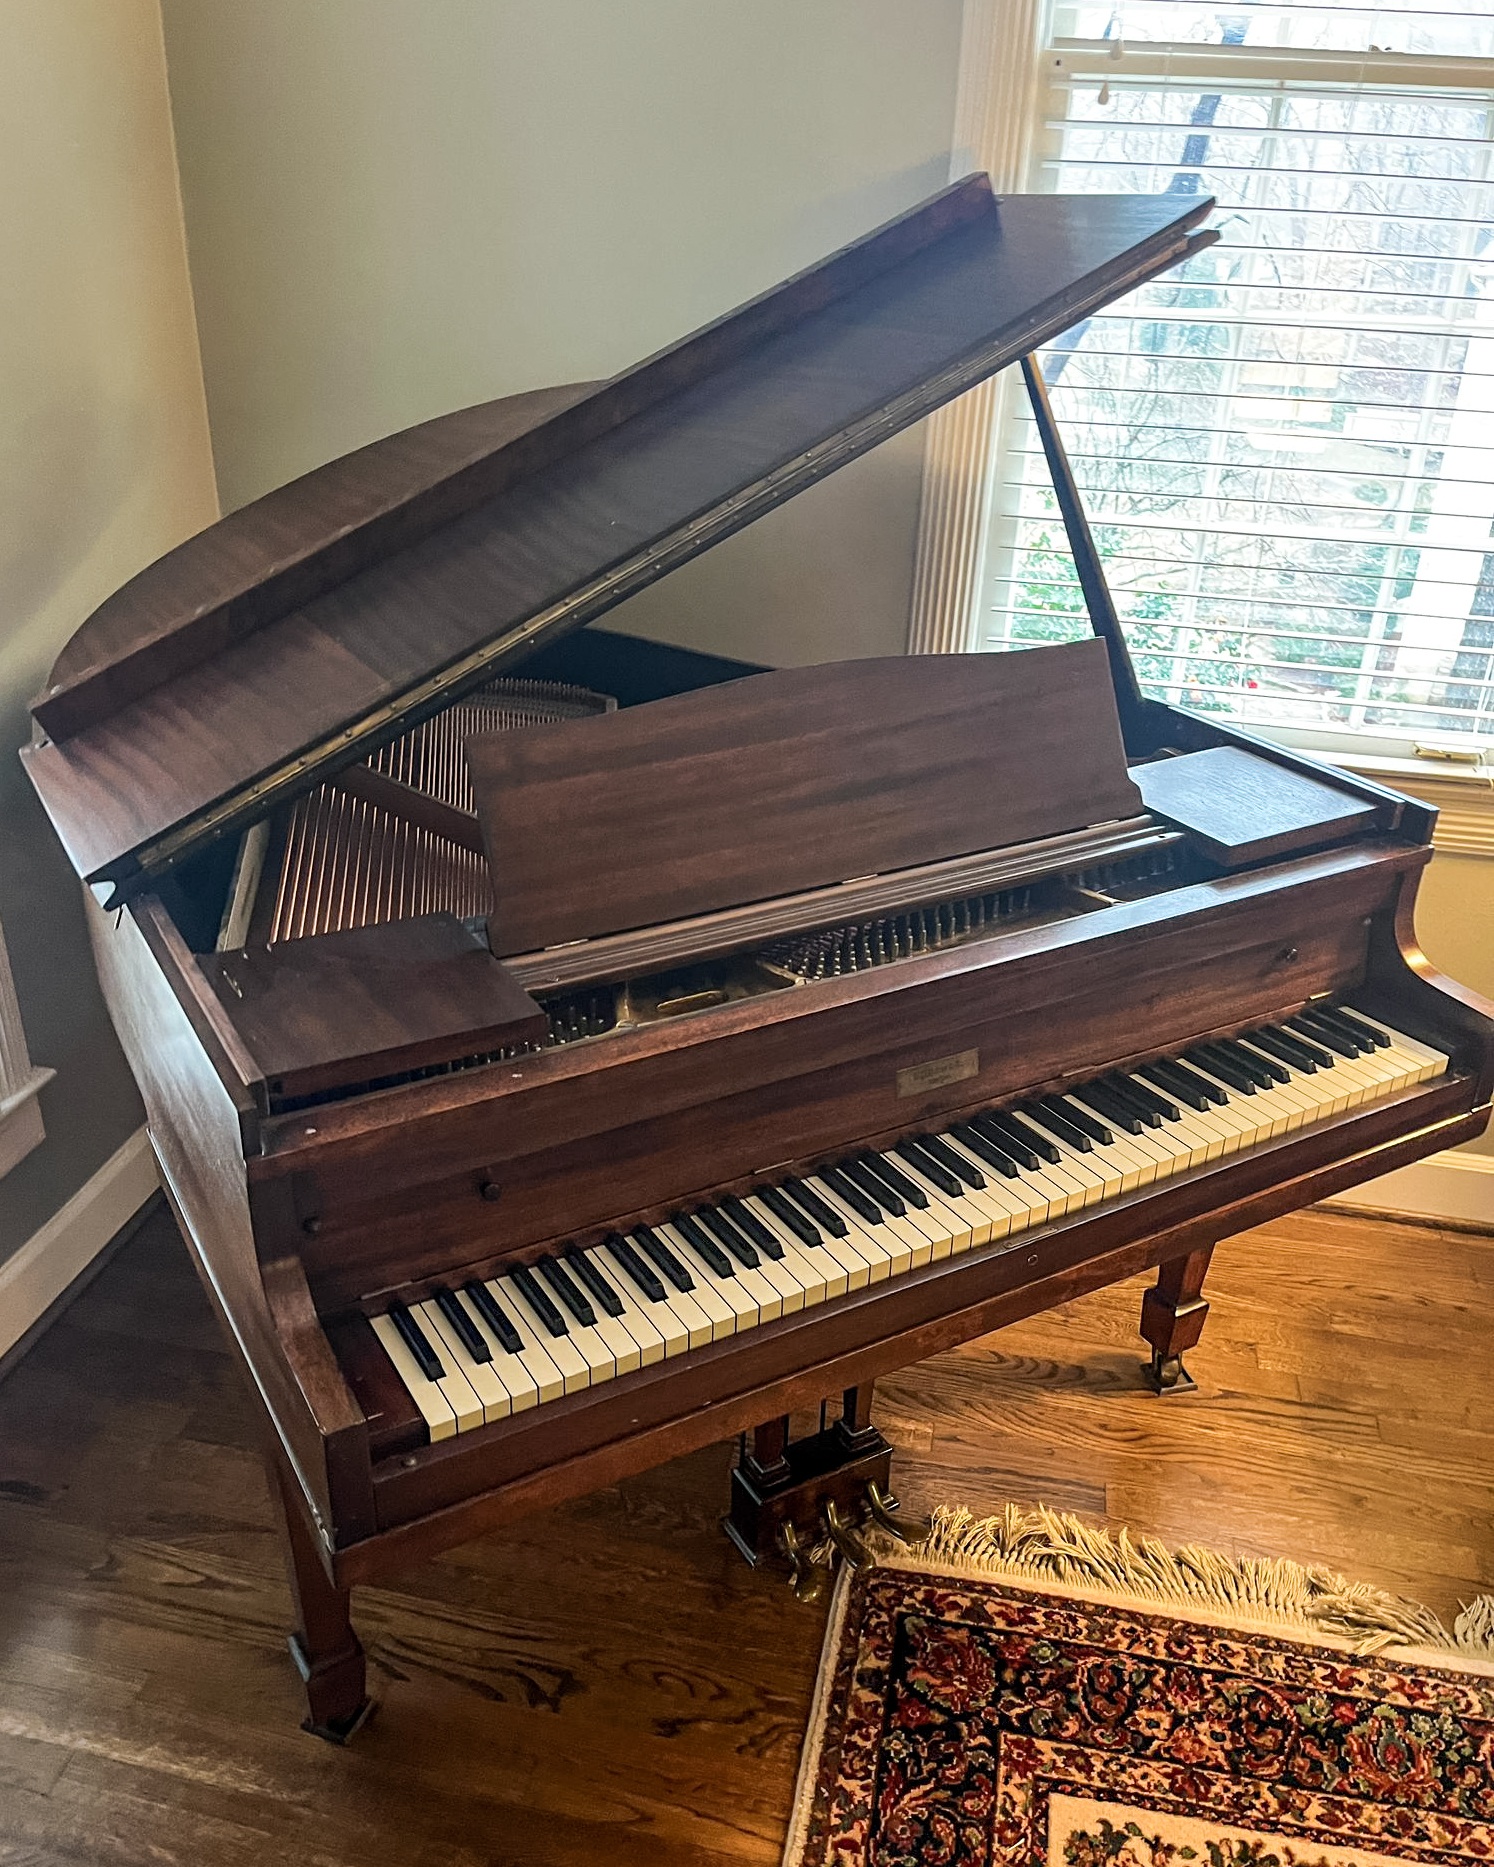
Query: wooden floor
(609, 1684)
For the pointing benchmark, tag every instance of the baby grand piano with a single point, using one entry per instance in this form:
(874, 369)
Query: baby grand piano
(546, 1087)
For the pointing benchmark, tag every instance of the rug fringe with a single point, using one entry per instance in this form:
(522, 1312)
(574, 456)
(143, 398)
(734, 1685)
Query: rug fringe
(1043, 1545)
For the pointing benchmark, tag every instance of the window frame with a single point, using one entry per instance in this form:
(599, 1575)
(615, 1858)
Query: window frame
(955, 556)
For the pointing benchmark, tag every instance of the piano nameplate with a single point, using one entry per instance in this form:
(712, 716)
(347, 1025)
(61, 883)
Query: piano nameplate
(938, 1074)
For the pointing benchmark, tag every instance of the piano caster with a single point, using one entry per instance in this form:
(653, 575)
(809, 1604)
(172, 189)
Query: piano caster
(322, 1694)
(1165, 1374)
(1172, 1320)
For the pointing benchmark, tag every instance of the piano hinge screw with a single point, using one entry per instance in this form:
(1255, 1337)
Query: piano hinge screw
(311, 1226)
(490, 1190)
(1287, 955)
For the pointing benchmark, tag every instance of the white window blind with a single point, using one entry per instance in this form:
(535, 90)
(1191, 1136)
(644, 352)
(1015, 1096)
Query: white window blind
(1286, 449)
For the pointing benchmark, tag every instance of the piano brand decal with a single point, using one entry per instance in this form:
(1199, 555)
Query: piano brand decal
(925, 1076)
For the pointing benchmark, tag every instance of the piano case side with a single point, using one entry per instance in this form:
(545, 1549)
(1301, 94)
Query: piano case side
(202, 1117)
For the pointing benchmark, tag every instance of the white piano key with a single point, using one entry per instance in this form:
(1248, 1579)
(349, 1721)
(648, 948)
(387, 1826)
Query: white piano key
(429, 1396)
(722, 1315)
(493, 1396)
(643, 1331)
(879, 1253)
(524, 1390)
(821, 1277)
(574, 1369)
(534, 1357)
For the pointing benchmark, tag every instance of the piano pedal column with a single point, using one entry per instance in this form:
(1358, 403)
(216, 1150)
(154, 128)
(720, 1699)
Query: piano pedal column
(1172, 1319)
(328, 1654)
(788, 1495)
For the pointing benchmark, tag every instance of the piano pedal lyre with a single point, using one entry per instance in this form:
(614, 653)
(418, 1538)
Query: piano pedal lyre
(799, 1499)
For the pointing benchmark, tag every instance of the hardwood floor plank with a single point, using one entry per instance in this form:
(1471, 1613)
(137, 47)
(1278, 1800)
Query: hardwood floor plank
(608, 1682)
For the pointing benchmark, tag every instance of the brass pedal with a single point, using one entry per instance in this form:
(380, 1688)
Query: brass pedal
(880, 1505)
(844, 1536)
(807, 1579)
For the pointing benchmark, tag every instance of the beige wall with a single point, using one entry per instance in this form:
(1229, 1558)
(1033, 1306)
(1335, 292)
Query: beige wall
(397, 207)
(104, 464)
(1455, 925)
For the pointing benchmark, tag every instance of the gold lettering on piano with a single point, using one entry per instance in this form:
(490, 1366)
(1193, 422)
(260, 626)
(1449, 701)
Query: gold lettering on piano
(925, 1076)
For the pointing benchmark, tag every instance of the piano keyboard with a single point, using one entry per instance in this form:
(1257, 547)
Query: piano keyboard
(577, 1318)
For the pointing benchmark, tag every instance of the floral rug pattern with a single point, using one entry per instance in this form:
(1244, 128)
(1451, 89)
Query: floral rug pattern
(977, 1724)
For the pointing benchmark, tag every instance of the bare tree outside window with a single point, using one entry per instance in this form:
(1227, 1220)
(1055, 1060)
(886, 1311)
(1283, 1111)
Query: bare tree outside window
(1287, 448)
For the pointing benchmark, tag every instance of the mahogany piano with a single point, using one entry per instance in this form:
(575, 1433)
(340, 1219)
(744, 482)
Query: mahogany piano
(562, 1052)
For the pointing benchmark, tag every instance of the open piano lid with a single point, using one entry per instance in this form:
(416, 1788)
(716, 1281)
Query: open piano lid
(296, 635)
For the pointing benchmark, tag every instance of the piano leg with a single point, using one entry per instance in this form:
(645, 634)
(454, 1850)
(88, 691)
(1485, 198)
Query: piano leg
(327, 1652)
(1172, 1319)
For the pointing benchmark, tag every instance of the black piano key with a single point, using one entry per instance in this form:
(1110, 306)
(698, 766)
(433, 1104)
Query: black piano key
(951, 1161)
(1282, 1049)
(932, 1171)
(539, 1301)
(1020, 1141)
(628, 1260)
(853, 1196)
(748, 1222)
(1265, 1070)
(1327, 1016)
(1105, 1102)
(1136, 1093)
(1083, 1120)
(1209, 1084)
(555, 1276)
(1357, 1021)
(986, 1150)
(1215, 1064)
(724, 1232)
(701, 1241)
(655, 1249)
(467, 1331)
(595, 1282)
(1304, 1046)
(1047, 1110)
(1309, 1027)
(824, 1215)
(894, 1178)
(428, 1361)
(799, 1223)
(882, 1196)
(494, 1315)
(1153, 1107)
(1184, 1083)
(1185, 1091)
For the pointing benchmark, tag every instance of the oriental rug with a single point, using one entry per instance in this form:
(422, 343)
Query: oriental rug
(1031, 1692)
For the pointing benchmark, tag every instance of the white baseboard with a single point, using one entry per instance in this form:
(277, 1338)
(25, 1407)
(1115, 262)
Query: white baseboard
(32, 1280)
(1453, 1186)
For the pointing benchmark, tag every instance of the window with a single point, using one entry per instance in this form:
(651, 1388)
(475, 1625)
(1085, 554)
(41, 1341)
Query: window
(1286, 448)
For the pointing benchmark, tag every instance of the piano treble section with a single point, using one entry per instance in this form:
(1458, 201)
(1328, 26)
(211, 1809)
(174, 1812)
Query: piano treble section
(470, 1355)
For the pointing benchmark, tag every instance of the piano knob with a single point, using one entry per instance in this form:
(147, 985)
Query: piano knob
(311, 1227)
(491, 1190)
